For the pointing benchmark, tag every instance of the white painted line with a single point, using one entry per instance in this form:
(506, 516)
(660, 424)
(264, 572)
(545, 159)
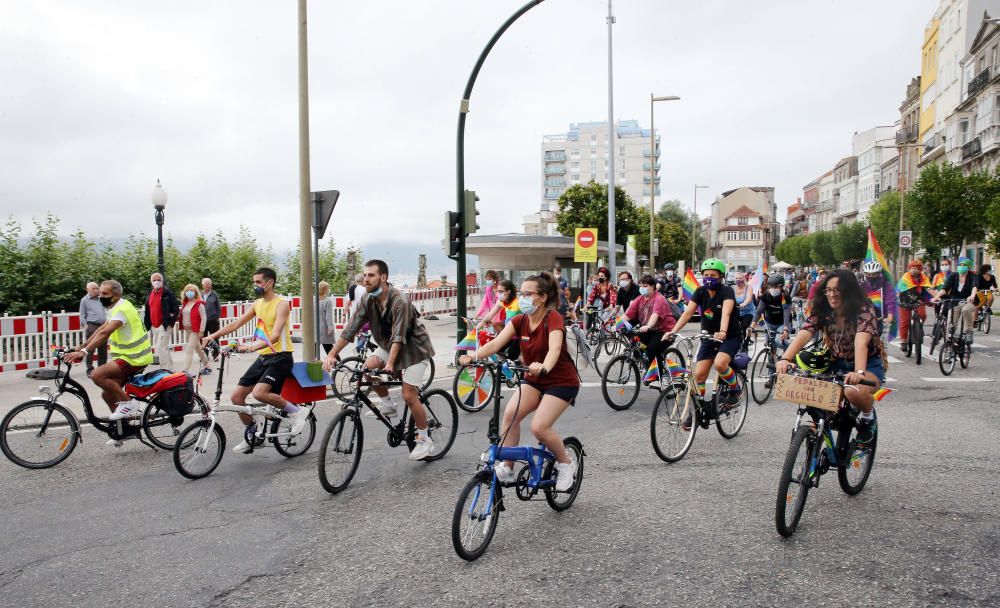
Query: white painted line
(986, 355)
(893, 359)
(887, 379)
(958, 379)
(978, 346)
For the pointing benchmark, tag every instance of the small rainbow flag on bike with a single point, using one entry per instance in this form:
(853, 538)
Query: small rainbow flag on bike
(876, 299)
(653, 373)
(674, 369)
(468, 342)
(621, 323)
(907, 282)
(881, 393)
(261, 333)
(689, 284)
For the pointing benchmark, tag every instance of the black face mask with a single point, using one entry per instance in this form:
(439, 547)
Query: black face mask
(106, 302)
(600, 279)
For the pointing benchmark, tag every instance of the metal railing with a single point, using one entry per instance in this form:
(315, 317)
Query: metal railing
(971, 149)
(980, 81)
(907, 135)
(555, 156)
(555, 170)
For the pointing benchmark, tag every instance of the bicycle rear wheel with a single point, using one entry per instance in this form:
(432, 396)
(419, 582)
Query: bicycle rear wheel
(917, 338)
(674, 411)
(38, 435)
(199, 450)
(610, 347)
(340, 450)
(442, 423)
(987, 322)
(730, 418)
(793, 488)
(163, 430)
(473, 387)
(620, 382)
(476, 515)
(289, 445)
(762, 377)
(560, 501)
(859, 460)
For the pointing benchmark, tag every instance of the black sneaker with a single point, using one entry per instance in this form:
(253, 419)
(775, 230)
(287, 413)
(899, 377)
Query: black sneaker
(733, 397)
(866, 430)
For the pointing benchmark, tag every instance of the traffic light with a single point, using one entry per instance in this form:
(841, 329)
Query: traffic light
(469, 212)
(452, 233)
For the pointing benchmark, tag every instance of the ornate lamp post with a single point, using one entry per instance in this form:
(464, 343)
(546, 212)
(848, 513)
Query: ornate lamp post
(159, 197)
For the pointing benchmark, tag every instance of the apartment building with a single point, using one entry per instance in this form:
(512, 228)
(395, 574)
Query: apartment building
(973, 129)
(742, 227)
(872, 148)
(907, 137)
(845, 186)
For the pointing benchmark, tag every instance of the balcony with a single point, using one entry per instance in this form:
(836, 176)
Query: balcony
(645, 191)
(645, 179)
(645, 166)
(980, 81)
(907, 135)
(971, 149)
(551, 195)
(555, 170)
(646, 152)
(930, 143)
(555, 181)
(555, 156)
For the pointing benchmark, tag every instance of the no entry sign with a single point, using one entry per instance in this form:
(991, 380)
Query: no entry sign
(585, 245)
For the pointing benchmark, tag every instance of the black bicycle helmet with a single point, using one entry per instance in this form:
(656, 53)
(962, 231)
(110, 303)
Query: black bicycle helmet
(668, 266)
(816, 360)
(776, 280)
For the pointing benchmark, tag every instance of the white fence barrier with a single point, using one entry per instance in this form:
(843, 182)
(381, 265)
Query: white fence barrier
(26, 341)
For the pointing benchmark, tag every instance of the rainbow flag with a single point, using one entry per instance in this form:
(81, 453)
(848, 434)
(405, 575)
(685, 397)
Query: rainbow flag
(689, 284)
(875, 254)
(579, 300)
(468, 342)
(511, 311)
(876, 298)
(674, 369)
(939, 280)
(765, 266)
(653, 373)
(757, 281)
(881, 393)
(261, 333)
(621, 323)
(906, 282)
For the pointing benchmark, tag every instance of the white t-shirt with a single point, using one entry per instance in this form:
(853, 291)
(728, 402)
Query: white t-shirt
(124, 332)
(357, 291)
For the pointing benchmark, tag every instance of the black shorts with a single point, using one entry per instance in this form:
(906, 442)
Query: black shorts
(709, 349)
(269, 369)
(566, 393)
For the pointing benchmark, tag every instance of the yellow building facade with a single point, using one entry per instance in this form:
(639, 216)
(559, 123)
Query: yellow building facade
(928, 78)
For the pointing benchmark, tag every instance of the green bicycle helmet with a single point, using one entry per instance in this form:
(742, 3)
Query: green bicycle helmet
(816, 360)
(714, 264)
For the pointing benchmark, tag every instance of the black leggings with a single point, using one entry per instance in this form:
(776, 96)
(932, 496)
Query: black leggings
(654, 343)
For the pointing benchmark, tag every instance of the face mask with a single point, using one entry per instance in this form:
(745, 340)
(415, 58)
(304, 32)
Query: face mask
(740, 282)
(711, 283)
(106, 302)
(157, 284)
(623, 283)
(258, 290)
(644, 291)
(600, 279)
(527, 305)
(945, 268)
(489, 282)
(963, 269)
(377, 292)
(189, 294)
(774, 292)
(670, 274)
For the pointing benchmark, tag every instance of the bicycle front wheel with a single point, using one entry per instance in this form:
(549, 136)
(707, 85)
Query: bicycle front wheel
(917, 338)
(674, 422)
(946, 357)
(161, 429)
(289, 445)
(199, 449)
(340, 450)
(560, 501)
(795, 481)
(38, 434)
(620, 382)
(473, 387)
(341, 381)
(987, 322)
(730, 417)
(442, 423)
(476, 516)
(854, 473)
(762, 377)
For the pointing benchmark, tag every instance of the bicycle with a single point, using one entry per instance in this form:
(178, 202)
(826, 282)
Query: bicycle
(953, 347)
(915, 336)
(940, 326)
(366, 347)
(41, 433)
(621, 377)
(678, 413)
(344, 438)
(813, 451)
(472, 386)
(200, 447)
(762, 372)
(984, 315)
(477, 511)
(798, 313)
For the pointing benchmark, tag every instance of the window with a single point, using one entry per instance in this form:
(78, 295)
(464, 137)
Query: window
(575, 165)
(621, 149)
(593, 152)
(743, 253)
(732, 235)
(622, 177)
(742, 221)
(605, 165)
(593, 138)
(754, 235)
(622, 164)
(963, 131)
(993, 56)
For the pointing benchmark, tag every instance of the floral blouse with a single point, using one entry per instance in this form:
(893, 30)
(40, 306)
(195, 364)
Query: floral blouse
(840, 341)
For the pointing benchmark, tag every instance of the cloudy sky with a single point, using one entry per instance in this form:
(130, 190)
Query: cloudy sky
(101, 98)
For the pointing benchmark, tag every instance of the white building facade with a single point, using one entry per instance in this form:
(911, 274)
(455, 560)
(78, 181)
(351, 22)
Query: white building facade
(872, 148)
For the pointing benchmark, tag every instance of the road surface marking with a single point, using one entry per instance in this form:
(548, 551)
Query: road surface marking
(958, 379)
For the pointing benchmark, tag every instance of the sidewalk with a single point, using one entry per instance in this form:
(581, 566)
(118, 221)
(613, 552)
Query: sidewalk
(16, 388)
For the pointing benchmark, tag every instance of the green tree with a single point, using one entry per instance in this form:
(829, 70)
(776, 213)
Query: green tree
(993, 222)
(675, 241)
(332, 268)
(586, 206)
(672, 211)
(850, 242)
(821, 249)
(884, 221)
(946, 208)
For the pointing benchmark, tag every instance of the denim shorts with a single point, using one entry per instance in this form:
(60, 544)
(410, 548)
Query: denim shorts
(875, 367)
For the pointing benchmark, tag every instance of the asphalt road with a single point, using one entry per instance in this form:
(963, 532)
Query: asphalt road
(121, 527)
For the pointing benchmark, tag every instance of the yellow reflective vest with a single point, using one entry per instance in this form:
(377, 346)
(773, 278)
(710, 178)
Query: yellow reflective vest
(130, 342)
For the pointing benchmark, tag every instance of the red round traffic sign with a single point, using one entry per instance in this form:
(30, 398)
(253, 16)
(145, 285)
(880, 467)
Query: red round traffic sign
(586, 239)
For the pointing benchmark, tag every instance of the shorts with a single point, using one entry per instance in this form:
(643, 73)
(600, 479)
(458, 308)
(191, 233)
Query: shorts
(566, 393)
(709, 349)
(875, 366)
(413, 375)
(128, 368)
(269, 369)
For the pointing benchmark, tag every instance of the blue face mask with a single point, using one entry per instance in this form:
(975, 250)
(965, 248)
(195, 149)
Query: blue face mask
(377, 292)
(711, 283)
(489, 282)
(189, 294)
(644, 291)
(258, 291)
(527, 305)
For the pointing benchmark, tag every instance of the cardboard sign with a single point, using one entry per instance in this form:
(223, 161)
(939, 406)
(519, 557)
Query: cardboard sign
(808, 391)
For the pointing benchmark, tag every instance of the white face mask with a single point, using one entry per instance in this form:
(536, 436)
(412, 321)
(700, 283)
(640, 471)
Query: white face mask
(623, 283)
(157, 284)
(774, 292)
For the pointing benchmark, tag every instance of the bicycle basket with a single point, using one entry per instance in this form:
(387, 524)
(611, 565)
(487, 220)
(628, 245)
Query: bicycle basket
(178, 401)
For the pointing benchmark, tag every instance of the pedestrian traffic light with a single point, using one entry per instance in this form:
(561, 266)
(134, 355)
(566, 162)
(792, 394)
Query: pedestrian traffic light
(470, 212)
(452, 234)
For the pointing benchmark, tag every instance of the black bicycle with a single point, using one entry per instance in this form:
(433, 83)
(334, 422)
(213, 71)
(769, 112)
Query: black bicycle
(915, 332)
(984, 314)
(41, 433)
(344, 439)
(940, 325)
(621, 378)
(341, 376)
(814, 451)
(953, 346)
(762, 371)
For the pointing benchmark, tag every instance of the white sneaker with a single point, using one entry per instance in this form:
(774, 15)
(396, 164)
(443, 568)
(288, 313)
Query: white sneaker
(113, 443)
(504, 473)
(243, 448)
(127, 409)
(564, 475)
(387, 410)
(423, 448)
(299, 419)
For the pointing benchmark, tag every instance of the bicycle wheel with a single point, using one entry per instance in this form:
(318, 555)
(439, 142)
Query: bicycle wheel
(291, 446)
(794, 485)
(673, 411)
(946, 357)
(963, 351)
(730, 418)
(620, 382)
(476, 515)
(163, 430)
(917, 338)
(442, 423)
(341, 380)
(987, 322)
(762, 377)
(560, 501)
(199, 450)
(38, 434)
(609, 348)
(428, 375)
(859, 460)
(473, 387)
(340, 450)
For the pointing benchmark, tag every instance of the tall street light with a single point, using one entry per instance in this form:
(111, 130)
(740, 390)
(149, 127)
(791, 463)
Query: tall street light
(159, 197)
(695, 223)
(652, 174)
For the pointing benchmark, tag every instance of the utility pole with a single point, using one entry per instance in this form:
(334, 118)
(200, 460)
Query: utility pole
(652, 176)
(612, 246)
(305, 197)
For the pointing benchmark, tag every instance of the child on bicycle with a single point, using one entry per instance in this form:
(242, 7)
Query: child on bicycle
(551, 384)
(717, 302)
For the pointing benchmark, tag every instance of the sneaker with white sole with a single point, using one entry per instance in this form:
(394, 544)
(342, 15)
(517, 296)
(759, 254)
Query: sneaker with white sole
(243, 448)
(565, 471)
(423, 447)
(504, 473)
(299, 419)
(127, 409)
(113, 443)
(387, 410)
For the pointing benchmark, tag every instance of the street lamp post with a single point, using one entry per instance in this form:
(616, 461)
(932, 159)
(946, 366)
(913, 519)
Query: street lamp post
(159, 197)
(652, 174)
(694, 223)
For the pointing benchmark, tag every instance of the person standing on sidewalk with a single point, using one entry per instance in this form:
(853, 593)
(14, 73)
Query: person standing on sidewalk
(192, 322)
(327, 335)
(92, 316)
(159, 317)
(213, 310)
